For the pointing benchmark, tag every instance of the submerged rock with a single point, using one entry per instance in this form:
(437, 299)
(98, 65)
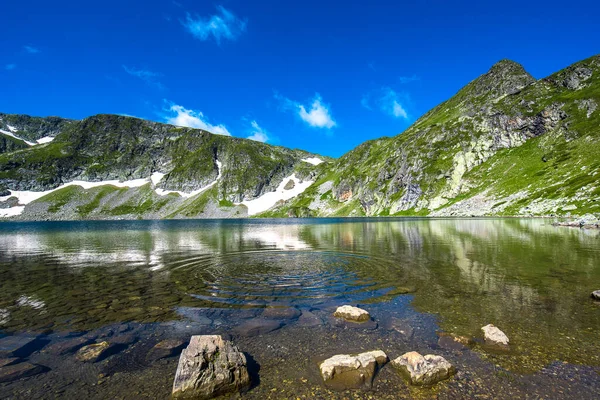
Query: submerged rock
(281, 313)
(257, 326)
(345, 371)
(164, 349)
(352, 314)
(208, 367)
(12, 372)
(495, 336)
(8, 361)
(67, 346)
(18, 346)
(423, 370)
(309, 319)
(94, 352)
(596, 295)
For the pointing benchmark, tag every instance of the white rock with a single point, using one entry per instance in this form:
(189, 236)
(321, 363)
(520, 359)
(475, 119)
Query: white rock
(423, 370)
(596, 295)
(346, 371)
(353, 314)
(494, 335)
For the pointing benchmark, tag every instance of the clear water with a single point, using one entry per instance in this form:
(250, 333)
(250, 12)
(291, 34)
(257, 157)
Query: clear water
(151, 280)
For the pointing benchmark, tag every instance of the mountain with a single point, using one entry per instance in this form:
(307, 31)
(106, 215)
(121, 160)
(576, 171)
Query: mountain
(109, 166)
(505, 144)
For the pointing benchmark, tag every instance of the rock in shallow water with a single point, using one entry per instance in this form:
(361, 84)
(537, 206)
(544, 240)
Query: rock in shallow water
(257, 326)
(345, 371)
(18, 346)
(494, 336)
(67, 346)
(281, 313)
(164, 349)
(210, 366)
(13, 372)
(353, 314)
(425, 370)
(94, 352)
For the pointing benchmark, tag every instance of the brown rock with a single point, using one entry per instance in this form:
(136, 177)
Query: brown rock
(281, 313)
(164, 349)
(94, 352)
(67, 346)
(13, 372)
(257, 326)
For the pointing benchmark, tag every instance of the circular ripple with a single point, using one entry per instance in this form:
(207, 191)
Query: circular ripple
(259, 278)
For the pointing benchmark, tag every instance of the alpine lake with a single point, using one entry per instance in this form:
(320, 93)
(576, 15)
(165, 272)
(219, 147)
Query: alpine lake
(136, 283)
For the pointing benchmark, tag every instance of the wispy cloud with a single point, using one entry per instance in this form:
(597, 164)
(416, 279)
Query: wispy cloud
(31, 49)
(408, 79)
(365, 101)
(151, 78)
(181, 116)
(223, 25)
(388, 101)
(317, 115)
(390, 104)
(258, 133)
(10, 67)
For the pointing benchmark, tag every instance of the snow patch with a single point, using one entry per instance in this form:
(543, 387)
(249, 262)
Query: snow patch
(11, 128)
(268, 200)
(156, 177)
(7, 133)
(46, 139)
(11, 212)
(313, 160)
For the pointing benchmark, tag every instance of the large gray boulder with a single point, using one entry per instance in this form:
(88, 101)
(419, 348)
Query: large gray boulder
(423, 370)
(208, 367)
(346, 371)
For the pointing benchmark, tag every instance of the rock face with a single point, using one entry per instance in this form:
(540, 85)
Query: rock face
(426, 370)
(352, 314)
(94, 352)
(209, 367)
(596, 295)
(494, 336)
(345, 371)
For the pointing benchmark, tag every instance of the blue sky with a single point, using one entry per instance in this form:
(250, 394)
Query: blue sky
(321, 76)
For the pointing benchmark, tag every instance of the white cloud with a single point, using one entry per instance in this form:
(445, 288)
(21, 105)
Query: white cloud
(317, 116)
(408, 79)
(151, 78)
(31, 49)
(390, 104)
(365, 102)
(181, 116)
(257, 133)
(10, 67)
(223, 25)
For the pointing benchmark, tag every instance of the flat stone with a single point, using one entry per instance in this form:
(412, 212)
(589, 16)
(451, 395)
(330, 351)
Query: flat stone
(421, 370)
(94, 352)
(494, 336)
(14, 372)
(353, 314)
(17, 346)
(402, 327)
(281, 313)
(164, 349)
(596, 295)
(309, 319)
(124, 340)
(67, 346)
(208, 367)
(257, 326)
(8, 361)
(347, 371)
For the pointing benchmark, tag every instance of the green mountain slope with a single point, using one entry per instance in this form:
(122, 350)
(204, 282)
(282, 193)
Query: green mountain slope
(505, 144)
(194, 173)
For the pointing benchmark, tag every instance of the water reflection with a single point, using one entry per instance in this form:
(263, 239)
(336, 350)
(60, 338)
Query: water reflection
(524, 275)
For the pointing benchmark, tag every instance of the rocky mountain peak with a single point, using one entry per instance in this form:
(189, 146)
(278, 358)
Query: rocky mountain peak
(505, 77)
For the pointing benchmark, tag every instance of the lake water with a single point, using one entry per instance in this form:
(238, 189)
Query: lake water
(139, 282)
